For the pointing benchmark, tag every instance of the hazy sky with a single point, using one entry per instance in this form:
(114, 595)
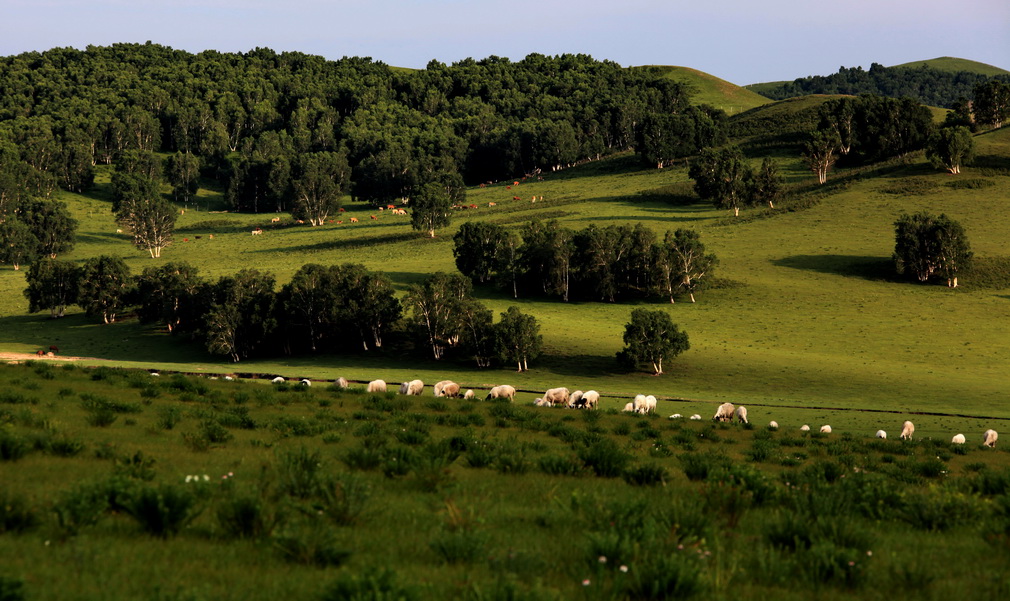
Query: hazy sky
(743, 41)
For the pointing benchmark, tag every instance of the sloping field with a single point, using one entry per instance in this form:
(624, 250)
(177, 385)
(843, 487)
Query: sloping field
(714, 91)
(954, 65)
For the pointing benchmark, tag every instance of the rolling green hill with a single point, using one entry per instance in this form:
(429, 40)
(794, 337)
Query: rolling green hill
(714, 91)
(955, 65)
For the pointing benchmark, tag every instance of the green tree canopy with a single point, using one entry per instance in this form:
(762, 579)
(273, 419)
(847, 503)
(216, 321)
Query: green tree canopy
(928, 244)
(518, 338)
(52, 285)
(650, 337)
(951, 147)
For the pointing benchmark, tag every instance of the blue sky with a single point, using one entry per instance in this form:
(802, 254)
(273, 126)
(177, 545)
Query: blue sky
(742, 41)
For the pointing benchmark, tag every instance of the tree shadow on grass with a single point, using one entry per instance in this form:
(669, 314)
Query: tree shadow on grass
(349, 243)
(580, 365)
(879, 269)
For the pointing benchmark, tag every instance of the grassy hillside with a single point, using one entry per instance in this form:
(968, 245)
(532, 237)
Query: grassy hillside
(954, 65)
(122, 485)
(714, 91)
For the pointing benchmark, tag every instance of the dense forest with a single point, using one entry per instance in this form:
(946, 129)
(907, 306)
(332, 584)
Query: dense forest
(267, 125)
(927, 85)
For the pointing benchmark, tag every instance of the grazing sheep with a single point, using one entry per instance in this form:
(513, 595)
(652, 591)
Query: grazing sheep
(989, 438)
(696, 417)
(340, 382)
(404, 388)
(591, 399)
(468, 395)
(501, 391)
(377, 386)
(557, 396)
(437, 388)
(305, 382)
(639, 403)
(630, 407)
(676, 416)
(155, 374)
(773, 425)
(825, 429)
(724, 413)
(907, 429)
(741, 414)
(650, 404)
(539, 402)
(881, 434)
(415, 387)
(575, 399)
(278, 380)
(804, 428)
(450, 390)
(958, 439)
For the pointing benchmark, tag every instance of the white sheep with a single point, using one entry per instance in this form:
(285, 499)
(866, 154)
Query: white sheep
(650, 404)
(557, 396)
(539, 402)
(468, 395)
(639, 403)
(341, 382)
(676, 416)
(278, 380)
(989, 438)
(415, 387)
(501, 391)
(958, 439)
(630, 407)
(907, 429)
(724, 413)
(881, 434)
(773, 425)
(575, 399)
(804, 428)
(377, 386)
(825, 429)
(451, 390)
(590, 399)
(437, 388)
(404, 387)
(306, 382)
(741, 414)
(696, 417)
(155, 374)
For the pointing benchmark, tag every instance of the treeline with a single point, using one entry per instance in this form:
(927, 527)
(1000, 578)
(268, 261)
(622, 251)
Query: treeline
(259, 121)
(611, 263)
(925, 84)
(335, 308)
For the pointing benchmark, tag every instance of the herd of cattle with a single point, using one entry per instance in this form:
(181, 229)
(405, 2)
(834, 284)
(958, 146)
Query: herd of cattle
(561, 397)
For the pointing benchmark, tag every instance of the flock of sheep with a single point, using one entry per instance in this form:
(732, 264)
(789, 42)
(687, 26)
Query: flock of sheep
(561, 397)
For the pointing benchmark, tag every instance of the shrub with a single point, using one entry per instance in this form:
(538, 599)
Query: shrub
(646, 475)
(16, 514)
(342, 499)
(63, 445)
(214, 432)
(459, 546)
(697, 466)
(168, 417)
(11, 589)
(666, 576)
(940, 509)
(560, 465)
(80, 507)
(604, 458)
(300, 472)
(311, 544)
(162, 511)
(136, 466)
(363, 458)
(12, 446)
(480, 454)
(373, 585)
(249, 514)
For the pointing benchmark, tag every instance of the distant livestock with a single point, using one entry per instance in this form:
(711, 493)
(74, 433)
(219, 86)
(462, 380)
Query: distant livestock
(340, 383)
(468, 395)
(804, 428)
(575, 399)
(376, 386)
(907, 429)
(446, 388)
(644, 403)
(741, 414)
(676, 416)
(305, 382)
(412, 388)
(773, 425)
(881, 434)
(557, 396)
(825, 429)
(724, 413)
(257, 232)
(591, 399)
(630, 407)
(958, 439)
(989, 438)
(696, 417)
(500, 392)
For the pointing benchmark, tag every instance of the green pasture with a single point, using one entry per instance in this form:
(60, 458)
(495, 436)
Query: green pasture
(805, 312)
(954, 65)
(474, 500)
(710, 90)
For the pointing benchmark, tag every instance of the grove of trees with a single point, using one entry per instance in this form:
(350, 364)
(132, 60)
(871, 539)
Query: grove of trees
(926, 245)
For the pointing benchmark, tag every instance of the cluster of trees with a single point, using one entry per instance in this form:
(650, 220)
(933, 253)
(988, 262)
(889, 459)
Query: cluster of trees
(927, 245)
(272, 127)
(32, 225)
(868, 129)
(334, 308)
(925, 84)
(724, 177)
(608, 263)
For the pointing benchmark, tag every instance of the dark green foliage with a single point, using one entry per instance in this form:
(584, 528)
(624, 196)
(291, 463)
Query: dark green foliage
(12, 445)
(11, 589)
(698, 466)
(928, 244)
(666, 576)
(299, 472)
(248, 514)
(646, 475)
(604, 458)
(373, 585)
(163, 510)
(80, 507)
(104, 287)
(311, 544)
(650, 337)
(16, 513)
(560, 465)
(460, 546)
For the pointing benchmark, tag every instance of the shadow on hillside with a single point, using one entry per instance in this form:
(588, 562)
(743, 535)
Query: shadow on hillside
(390, 238)
(579, 365)
(868, 268)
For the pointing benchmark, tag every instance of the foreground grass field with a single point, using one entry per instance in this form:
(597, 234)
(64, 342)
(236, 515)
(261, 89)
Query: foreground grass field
(808, 313)
(119, 484)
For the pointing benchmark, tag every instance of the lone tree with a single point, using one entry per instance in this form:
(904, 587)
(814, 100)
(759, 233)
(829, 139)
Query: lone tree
(722, 176)
(951, 147)
(650, 337)
(431, 208)
(820, 153)
(151, 221)
(518, 338)
(926, 244)
(766, 185)
(324, 179)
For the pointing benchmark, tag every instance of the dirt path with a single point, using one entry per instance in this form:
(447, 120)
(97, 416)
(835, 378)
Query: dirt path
(22, 357)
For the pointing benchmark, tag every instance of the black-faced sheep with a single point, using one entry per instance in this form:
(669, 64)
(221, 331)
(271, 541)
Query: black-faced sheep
(450, 389)
(907, 429)
(575, 399)
(305, 382)
(591, 399)
(724, 413)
